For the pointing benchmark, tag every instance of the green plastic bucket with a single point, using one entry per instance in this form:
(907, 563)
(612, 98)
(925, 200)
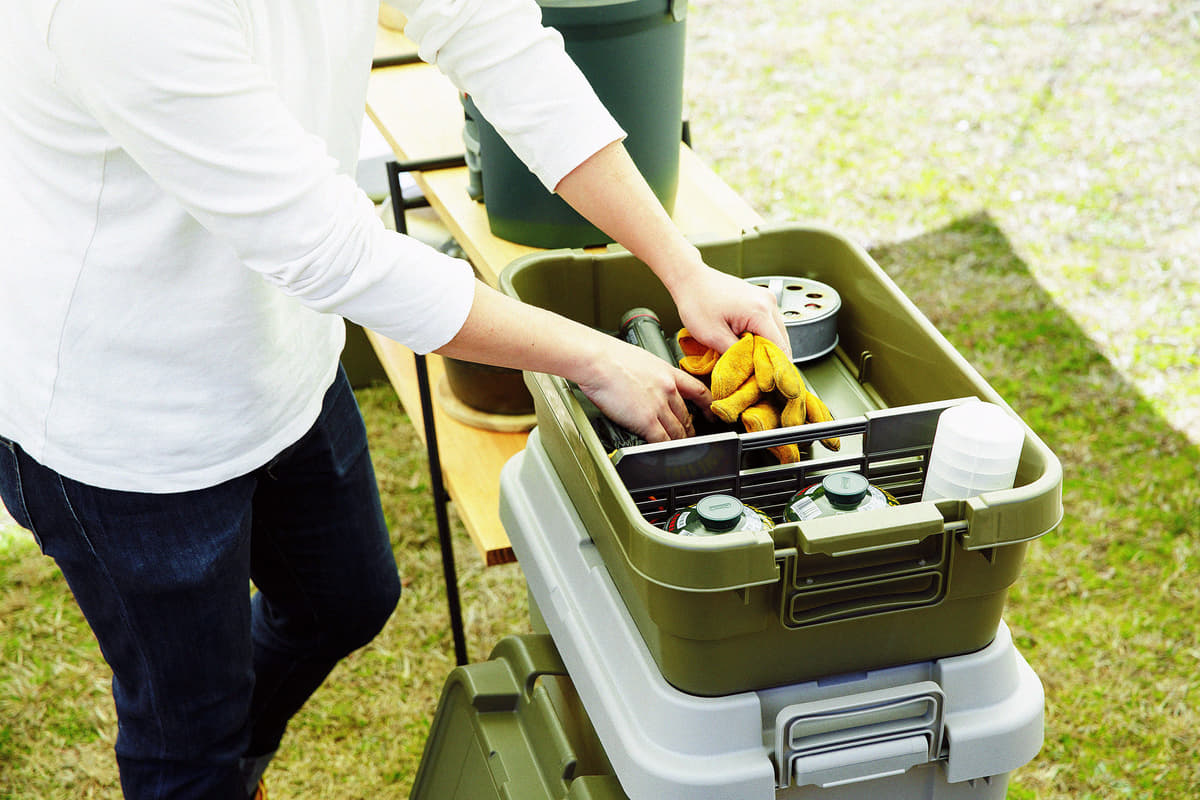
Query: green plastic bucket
(632, 53)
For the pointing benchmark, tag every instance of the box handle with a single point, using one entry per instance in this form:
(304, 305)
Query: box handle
(867, 597)
(859, 737)
(863, 763)
(865, 531)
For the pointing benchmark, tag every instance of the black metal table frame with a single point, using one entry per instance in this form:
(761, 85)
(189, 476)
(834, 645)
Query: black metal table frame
(437, 485)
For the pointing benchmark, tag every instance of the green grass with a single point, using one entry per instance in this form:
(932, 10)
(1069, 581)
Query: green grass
(1105, 610)
(56, 718)
(1027, 174)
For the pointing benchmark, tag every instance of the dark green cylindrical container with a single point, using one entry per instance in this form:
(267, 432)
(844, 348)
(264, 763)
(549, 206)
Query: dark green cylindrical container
(632, 53)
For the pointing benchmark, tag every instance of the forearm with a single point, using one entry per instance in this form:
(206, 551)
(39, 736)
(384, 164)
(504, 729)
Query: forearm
(716, 307)
(504, 332)
(631, 386)
(609, 191)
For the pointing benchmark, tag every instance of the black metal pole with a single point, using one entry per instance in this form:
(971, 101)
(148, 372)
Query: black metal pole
(401, 60)
(439, 507)
(393, 178)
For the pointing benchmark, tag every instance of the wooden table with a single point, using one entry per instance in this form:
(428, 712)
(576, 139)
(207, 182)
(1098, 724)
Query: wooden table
(418, 112)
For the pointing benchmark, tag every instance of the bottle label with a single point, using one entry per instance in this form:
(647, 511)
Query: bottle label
(805, 509)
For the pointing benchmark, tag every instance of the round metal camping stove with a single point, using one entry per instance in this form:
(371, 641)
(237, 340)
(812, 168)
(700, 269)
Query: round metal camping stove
(809, 309)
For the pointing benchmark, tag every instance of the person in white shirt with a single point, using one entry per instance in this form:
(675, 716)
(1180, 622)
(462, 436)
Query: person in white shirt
(182, 239)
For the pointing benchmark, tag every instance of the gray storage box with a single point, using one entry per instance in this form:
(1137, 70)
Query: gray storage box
(942, 729)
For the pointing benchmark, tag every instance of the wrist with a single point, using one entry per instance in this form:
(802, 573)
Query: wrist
(585, 361)
(677, 266)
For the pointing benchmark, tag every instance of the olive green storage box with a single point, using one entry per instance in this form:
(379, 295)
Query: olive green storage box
(512, 728)
(632, 53)
(745, 611)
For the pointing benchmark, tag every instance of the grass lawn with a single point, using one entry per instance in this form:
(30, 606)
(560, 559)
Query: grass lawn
(1104, 612)
(1028, 175)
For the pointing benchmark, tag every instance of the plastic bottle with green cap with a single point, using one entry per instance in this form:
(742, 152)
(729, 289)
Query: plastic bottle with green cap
(837, 493)
(717, 514)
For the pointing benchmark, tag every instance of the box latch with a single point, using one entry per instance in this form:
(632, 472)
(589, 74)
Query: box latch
(858, 737)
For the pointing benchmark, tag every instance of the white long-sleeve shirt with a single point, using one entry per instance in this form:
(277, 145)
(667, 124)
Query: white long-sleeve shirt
(179, 232)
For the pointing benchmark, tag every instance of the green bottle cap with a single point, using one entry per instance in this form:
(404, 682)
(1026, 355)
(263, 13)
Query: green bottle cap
(720, 512)
(845, 490)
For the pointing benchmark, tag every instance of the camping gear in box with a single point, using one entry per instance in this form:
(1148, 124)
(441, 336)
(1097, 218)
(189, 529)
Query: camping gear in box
(716, 514)
(744, 611)
(510, 728)
(836, 493)
(953, 727)
(631, 51)
(809, 309)
(976, 448)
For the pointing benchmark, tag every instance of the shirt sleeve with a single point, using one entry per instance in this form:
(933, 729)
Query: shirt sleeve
(519, 75)
(175, 84)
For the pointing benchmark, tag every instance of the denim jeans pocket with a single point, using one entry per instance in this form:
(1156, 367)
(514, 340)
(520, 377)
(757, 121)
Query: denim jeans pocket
(11, 491)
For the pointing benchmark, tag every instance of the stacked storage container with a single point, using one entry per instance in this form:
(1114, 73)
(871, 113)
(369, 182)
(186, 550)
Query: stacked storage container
(847, 657)
(939, 728)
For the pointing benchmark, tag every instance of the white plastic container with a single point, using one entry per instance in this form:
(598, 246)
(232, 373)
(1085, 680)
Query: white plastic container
(946, 729)
(976, 449)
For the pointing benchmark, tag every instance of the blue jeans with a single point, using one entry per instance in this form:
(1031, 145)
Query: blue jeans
(204, 674)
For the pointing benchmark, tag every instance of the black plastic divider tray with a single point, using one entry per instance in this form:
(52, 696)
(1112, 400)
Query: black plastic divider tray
(744, 611)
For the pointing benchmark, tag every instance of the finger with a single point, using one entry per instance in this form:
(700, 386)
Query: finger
(655, 432)
(785, 341)
(698, 394)
(678, 407)
(776, 328)
(692, 389)
(719, 336)
(684, 415)
(673, 424)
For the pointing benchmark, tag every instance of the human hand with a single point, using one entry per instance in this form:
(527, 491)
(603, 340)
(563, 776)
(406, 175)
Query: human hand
(642, 393)
(717, 308)
(631, 386)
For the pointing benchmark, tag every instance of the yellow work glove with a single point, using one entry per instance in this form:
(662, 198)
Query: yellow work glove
(745, 379)
(697, 359)
(803, 405)
(728, 409)
(733, 368)
(764, 416)
(774, 370)
(731, 373)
